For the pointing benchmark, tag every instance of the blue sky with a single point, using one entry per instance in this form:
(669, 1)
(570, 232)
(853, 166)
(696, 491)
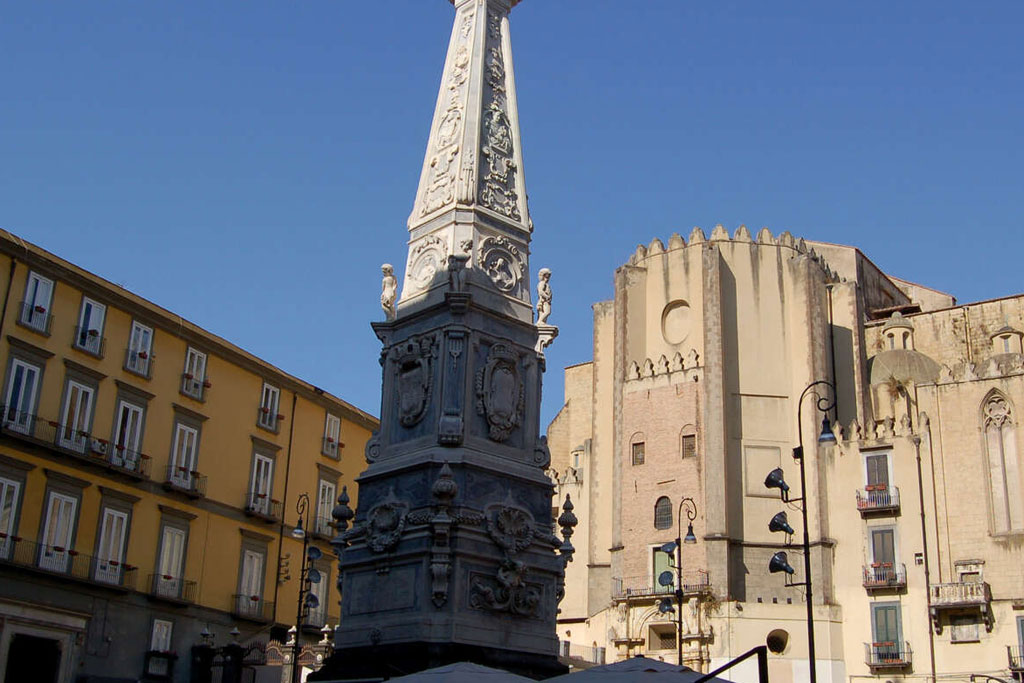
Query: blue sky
(250, 165)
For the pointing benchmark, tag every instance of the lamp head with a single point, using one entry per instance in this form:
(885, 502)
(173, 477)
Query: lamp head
(298, 531)
(690, 538)
(668, 548)
(780, 523)
(827, 435)
(776, 480)
(780, 563)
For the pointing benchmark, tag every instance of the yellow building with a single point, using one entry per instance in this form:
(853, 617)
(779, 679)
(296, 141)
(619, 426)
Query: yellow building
(149, 475)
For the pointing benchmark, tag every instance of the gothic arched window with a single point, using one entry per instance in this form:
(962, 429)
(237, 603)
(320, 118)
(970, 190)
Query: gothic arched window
(663, 513)
(1003, 464)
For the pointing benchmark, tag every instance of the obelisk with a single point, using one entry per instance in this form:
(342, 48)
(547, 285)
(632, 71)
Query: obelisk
(452, 554)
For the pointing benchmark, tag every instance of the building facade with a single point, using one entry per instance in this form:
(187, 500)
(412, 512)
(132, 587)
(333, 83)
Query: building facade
(915, 512)
(149, 476)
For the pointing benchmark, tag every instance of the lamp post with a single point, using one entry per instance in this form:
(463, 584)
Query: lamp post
(775, 479)
(677, 547)
(308, 575)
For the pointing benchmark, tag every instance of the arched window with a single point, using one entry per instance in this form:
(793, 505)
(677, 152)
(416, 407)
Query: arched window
(1003, 463)
(663, 513)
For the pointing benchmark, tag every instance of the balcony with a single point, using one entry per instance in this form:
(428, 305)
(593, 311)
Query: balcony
(323, 527)
(252, 607)
(90, 341)
(648, 586)
(80, 445)
(268, 419)
(1015, 657)
(878, 499)
(66, 562)
(888, 655)
(173, 589)
(315, 618)
(263, 506)
(35, 318)
(193, 386)
(330, 447)
(184, 480)
(138, 362)
(885, 576)
(960, 596)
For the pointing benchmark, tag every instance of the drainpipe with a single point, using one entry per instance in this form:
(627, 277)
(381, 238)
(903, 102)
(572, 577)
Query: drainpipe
(284, 503)
(916, 439)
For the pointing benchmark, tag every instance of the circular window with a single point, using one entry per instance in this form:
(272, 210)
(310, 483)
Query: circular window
(777, 641)
(675, 322)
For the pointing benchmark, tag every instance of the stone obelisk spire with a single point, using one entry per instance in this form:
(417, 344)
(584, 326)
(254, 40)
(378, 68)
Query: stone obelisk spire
(470, 211)
(451, 555)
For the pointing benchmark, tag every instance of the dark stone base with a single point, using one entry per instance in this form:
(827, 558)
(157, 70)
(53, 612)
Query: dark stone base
(392, 661)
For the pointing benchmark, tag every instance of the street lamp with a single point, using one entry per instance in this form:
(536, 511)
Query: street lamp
(665, 578)
(776, 480)
(308, 575)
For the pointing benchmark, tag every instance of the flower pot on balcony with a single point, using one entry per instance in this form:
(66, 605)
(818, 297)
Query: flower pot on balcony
(39, 309)
(206, 384)
(94, 333)
(143, 355)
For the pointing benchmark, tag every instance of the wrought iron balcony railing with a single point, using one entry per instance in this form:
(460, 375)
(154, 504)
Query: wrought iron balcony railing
(35, 317)
(330, 447)
(881, 576)
(69, 441)
(89, 340)
(267, 418)
(1015, 655)
(263, 506)
(323, 527)
(646, 585)
(888, 655)
(66, 561)
(189, 482)
(193, 386)
(252, 607)
(172, 588)
(139, 362)
(878, 499)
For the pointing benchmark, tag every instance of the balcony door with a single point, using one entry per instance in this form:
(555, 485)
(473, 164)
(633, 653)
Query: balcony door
(138, 348)
(262, 481)
(251, 584)
(74, 427)
(8, 507)
(109, 556)
(21, 397)
(127, 435)
(172, 561)
(183, 458)
(663, 562)
(886, 631)
(37, 301)
(325, 504)
(883, 547)
(60, 523)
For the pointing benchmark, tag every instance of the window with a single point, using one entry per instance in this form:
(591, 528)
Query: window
(267, 416)
(332, 435)
(317, 614)
(576, 456)
(877, 471)
(168, 582)
(250, 583)
(662, 637)
(35, 309)
(110, 552)
(183, 456)
(662, 562)
(140, 344)
(325, 504)
(89, 333)
(886, 631)
(261, 486)
(193, 379)
(663, 513)
(160, 640)
(127, 435)
(688, 445)
(20, 400)
(1004, 466)
(9, 490)
(58, 532)
(76, 417)
(883, 546)
(963, 628)
(638, 453)
(1006, 343)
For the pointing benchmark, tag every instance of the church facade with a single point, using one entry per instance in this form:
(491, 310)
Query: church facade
(694, 391)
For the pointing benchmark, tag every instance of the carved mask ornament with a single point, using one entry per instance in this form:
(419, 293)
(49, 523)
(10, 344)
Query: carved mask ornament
(499, 390)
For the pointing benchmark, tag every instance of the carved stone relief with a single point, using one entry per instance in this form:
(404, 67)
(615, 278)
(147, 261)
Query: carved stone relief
(503, 262)
(500, 393)
(498, 181)
(385, 523)
(511, 527)
(414, 377)
(426, 259)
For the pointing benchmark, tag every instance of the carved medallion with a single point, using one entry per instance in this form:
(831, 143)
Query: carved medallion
(385, 523)
(499, 391)
(503, 262)
(511, 528)
(414, 377)
(426, 259)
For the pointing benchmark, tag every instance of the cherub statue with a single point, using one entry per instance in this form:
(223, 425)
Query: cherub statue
(388, 290)
(543, 296)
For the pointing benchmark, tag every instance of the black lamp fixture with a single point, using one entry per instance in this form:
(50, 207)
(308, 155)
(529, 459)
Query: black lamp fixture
(780, 523)
(308, 575)
(665, 578)
(780, 563)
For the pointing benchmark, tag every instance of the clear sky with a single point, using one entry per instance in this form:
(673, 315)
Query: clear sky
(249, 165)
